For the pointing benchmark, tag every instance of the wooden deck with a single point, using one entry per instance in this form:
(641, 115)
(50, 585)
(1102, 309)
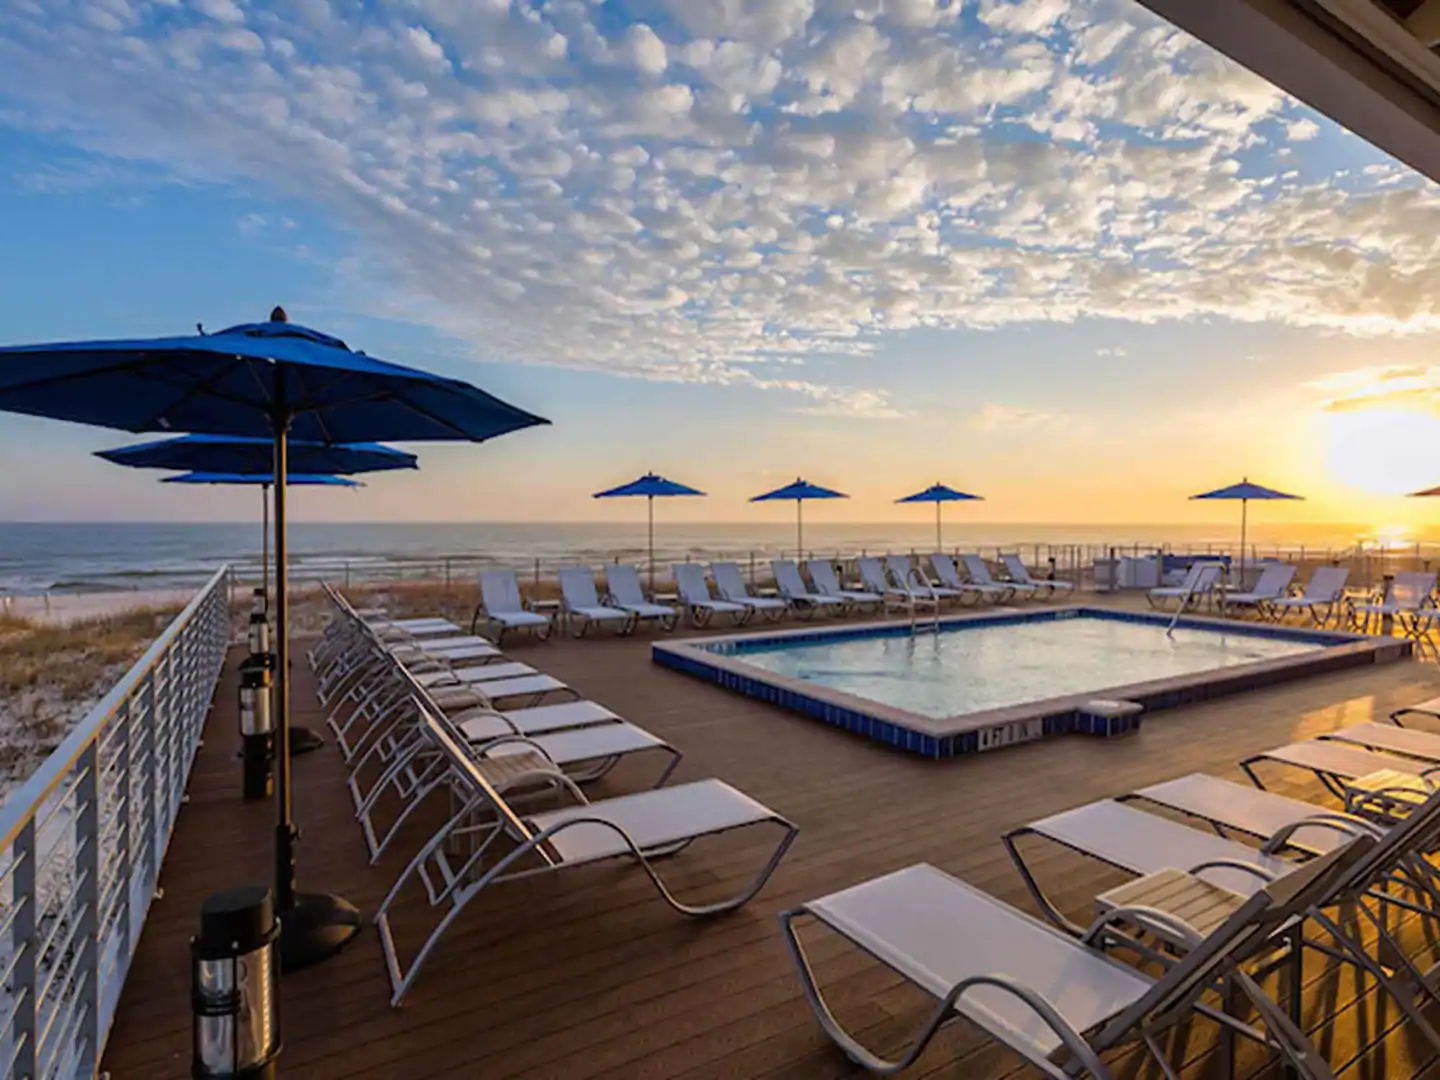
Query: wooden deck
(589, 975)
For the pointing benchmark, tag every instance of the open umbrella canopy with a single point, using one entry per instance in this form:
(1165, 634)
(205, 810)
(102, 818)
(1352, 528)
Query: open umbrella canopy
(799, 491)
(237, 381)
(249, 456)
(261, 380)
(259, 479)
(939, 493)
(1245, 491)
(650, 486)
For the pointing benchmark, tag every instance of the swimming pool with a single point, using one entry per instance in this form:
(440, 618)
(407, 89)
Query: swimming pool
(993, 679)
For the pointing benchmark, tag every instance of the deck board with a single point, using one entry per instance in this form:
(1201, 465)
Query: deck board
(589, 975)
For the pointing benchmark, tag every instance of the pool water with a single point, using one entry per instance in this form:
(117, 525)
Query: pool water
(962, 670)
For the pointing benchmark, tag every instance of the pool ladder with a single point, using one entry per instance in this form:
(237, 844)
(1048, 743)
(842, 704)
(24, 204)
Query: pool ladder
(915, 578)
(1184, 606)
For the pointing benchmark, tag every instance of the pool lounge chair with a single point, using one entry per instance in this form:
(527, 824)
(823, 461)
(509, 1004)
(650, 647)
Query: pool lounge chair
(802, 600)
(1332, 763)
(1200, 583)
(631, 828)
(1141, 843)
(1274, 583)
(581, 603)
(1020, 573)
(907, 593)
(822, 573)
(1429, 707)
(1057, 1002)
(915, 579)
(1408, 602)
(731, 585)
(949, 577)
(622, 586)
(555, 760)
(503, 608)
(1321, 597)
(699, 604)
(978, 571)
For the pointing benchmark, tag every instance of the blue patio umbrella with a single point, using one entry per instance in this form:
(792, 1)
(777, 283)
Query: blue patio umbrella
(652, 487)
(799, 491)
(249, 457)
(266, 380)
(938, 494)
(1244, 492)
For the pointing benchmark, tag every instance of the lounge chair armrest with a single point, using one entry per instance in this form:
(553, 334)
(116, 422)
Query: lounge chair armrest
(483, 710)
(1141, 914)
(1073, 1040)
(1232, 864)
(1345, 824)
(481, 749)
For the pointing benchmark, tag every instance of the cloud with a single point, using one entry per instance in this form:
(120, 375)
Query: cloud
(740, 183)
(1111, 350)
(995, 417)
(1410, 387)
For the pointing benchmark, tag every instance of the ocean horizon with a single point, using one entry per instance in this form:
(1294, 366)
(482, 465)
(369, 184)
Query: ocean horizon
(80, 557)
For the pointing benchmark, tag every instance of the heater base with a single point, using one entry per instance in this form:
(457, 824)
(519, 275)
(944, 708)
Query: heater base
(303, 740)
(315, 929)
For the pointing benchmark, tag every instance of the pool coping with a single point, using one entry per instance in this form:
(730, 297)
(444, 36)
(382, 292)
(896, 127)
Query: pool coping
(974, 732)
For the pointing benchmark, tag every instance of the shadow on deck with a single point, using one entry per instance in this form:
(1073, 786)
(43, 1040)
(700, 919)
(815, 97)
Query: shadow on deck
(589, 975)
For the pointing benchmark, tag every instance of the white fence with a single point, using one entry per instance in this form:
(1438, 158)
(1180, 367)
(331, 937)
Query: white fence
(82, 842)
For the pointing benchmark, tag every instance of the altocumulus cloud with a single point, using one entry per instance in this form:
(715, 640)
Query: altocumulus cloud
(705, 190)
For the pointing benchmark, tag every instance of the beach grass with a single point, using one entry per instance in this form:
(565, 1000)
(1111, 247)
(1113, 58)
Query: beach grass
(51, 674)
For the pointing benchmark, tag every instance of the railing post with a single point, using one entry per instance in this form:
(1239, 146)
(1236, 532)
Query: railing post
(23, 943)
(148, 783)
(124, 831)
(87, 900)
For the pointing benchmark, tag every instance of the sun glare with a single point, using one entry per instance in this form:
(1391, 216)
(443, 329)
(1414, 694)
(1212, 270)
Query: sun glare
(1383, 451)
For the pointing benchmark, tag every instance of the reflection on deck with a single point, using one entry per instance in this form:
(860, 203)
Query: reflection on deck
(588, 975)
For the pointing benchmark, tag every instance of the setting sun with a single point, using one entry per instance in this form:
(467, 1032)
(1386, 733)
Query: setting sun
(1383, 451)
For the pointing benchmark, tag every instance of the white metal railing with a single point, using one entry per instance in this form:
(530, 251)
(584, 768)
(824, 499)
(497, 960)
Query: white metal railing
(82, 841)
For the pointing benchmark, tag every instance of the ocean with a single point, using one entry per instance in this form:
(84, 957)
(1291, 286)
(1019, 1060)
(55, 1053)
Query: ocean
(102, 557)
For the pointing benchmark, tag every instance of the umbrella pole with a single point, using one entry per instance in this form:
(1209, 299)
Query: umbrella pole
(314, 926)
(799, 529)
(1244, 520)
(265, 542)
(939, 547)
(650, 499)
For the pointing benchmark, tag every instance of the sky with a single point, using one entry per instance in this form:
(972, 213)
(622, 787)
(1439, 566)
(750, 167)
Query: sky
(1055, 253)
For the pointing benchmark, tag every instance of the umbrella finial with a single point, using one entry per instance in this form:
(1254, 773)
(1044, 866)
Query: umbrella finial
(277, 314)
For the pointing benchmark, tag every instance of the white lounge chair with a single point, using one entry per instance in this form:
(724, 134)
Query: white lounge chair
(1020, 573)
(1321, 598)
(581, 603)
(622, 585)
(978, 571)
(1200, 583)
(908, 592)
(822, 573)
(1057, 1002)
(633, 828)
(699, 604)
(944, 567)
(503, 608)
(1274, 583)
(792, 588)
(1140, 843)
(1408, 602)
(731, 585)
(914, 578)
(559, 759)
(1332, 763)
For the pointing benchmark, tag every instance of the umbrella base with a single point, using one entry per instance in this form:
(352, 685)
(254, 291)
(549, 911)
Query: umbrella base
(303, 740)
(315, 929)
